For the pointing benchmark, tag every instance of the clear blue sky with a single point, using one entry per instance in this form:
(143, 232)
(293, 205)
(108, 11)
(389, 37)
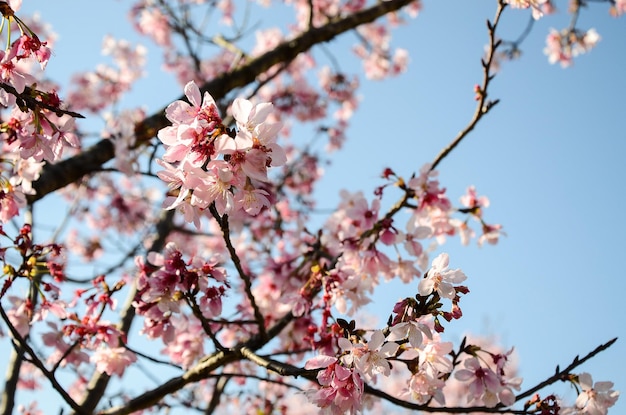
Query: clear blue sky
(550, 157)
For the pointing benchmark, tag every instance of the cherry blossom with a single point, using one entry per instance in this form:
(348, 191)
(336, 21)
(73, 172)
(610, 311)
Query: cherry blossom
(341, 388)
(372, 358)
(563, 46)
(595, 398)
(422, 387)
(113, 361)
(619, 8)
(439, 278)
(414, 331)
(536, 5)
(485, 384)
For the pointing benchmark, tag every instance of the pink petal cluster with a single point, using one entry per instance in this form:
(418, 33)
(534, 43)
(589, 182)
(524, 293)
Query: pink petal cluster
(485, 385)
(619, 8)
(564, 46)
(341, 388)
(163, 285)
(379, 61)
(594, 398)
(537, 6)
(30, 133)
(369, 359)
(113, 361)
(207, 164)
(99, 89)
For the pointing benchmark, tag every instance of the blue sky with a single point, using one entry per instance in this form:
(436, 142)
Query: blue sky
(550, 157)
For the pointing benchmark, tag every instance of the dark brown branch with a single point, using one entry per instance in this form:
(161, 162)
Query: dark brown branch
(150, 358)
(14, 364)
(54, 177)
(195, 309)
(59, 175)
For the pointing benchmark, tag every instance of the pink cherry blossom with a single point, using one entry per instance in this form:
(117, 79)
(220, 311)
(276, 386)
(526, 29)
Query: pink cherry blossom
(20, 315)
(31, 409)
(186, 346)
(113, 361)
(439, 278)
(422, 387)
(434, 357)
(484, 383)
(564, 46)
(595, 398)
(341, 388)
(10, 72)
(11, 201)
(536, 6)
(414, 331)
(153, 22)
(371, 358)
(619, 8)
(473, 202)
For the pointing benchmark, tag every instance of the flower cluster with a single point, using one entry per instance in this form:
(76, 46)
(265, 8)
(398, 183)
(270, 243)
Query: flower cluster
(564, 46)
(594, 398)
(412, 328)
(167, 283)
(341, 387)
(539, 7)
(207, 164)
(440, 279)
(379, 61)
(36, 129)
(487, 386)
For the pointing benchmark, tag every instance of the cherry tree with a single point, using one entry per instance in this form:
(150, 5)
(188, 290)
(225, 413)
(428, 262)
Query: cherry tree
(188, 267)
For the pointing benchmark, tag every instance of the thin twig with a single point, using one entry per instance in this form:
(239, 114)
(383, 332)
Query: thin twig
(234, 256)
(150, 358)
(562, 374)
(483, 106)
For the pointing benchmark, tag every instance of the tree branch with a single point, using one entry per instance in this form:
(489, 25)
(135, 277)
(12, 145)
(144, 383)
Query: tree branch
(218, 390)
(283, 369)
